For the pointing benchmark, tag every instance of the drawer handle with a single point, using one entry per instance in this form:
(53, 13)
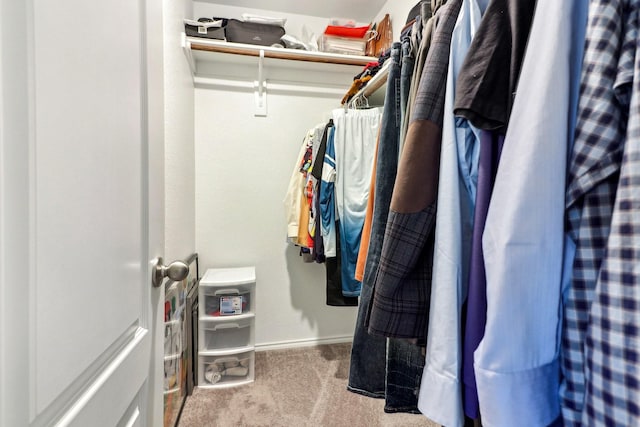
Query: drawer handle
(227, 326)
(227, 292)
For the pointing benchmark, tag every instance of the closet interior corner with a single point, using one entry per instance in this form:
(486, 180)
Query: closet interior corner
(252, 107)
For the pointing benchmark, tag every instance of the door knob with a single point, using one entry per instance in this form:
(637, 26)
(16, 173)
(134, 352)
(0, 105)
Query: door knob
(175, 271)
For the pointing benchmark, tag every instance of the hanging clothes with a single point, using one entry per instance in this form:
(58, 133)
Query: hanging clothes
(293, 198)
(516, 363)
(594, 175)
(421, 38)
(334, 295)
(316, 171)
(404, 360)
(327, 197)
(298, 201)
(355, 137)
(332, 263)
(408, 56)
(368, 365)
(368, 219)
(475, 309)
(412, 59)
(484, 97)
(386, 168)
(324, 198)
(401, 376)
(612, 345)
(402, 289)
(441, 392)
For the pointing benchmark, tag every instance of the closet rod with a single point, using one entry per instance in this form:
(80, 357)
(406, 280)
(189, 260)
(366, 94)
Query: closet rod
(272, 86)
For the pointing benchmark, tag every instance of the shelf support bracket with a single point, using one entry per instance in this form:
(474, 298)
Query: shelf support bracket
(260, 87)
(186, 48)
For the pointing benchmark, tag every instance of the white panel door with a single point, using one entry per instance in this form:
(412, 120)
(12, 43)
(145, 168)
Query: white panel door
(81, 212)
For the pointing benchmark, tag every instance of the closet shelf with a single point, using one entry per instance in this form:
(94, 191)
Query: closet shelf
(200, 50)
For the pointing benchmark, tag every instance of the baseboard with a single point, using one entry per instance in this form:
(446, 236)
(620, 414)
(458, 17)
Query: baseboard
(307, 342)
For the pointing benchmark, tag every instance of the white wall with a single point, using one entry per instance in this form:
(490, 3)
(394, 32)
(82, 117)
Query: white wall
(179, 137)
(243, 166)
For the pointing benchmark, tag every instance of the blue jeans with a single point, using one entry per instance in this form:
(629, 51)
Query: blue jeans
(391, 371)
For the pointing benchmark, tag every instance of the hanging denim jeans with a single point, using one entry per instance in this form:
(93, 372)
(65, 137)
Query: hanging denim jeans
(378, 370)
(367, 373)
(405, 363)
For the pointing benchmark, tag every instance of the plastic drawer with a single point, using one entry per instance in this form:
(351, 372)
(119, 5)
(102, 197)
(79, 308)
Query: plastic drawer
(227, 333)
(221, 302)
(226, 369)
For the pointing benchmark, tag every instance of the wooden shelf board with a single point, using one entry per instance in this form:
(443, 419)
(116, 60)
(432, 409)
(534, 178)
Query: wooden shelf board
(277, 53)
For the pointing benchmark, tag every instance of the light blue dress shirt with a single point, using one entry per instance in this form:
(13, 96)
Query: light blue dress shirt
(440, 396)
(516, 363)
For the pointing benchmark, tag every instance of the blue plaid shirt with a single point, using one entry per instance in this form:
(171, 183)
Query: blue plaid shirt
(592, 182)
(612, 341)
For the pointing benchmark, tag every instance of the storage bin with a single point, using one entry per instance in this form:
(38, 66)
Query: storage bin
(228, 276)
(227, 291)
(226, 302)
(223, 335)
(226, 369)
(226, 327)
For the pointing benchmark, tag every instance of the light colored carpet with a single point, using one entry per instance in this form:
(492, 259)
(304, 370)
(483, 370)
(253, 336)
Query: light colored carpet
(303, 387)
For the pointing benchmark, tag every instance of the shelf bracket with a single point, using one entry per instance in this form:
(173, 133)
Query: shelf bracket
(186, 48)
(260, 87)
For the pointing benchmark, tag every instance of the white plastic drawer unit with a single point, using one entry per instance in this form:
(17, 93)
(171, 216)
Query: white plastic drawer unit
(226, 333)
(226, 302)
(224, 369)
(226, 327)
(227, 292)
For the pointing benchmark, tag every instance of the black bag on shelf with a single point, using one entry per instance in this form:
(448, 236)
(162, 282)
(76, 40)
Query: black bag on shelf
(253, 33)
(208, 28)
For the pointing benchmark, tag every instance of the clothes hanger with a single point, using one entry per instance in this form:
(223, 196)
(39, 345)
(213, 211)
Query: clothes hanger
(358, 102)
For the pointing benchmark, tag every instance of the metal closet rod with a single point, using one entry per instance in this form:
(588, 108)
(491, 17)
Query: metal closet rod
(272, 85)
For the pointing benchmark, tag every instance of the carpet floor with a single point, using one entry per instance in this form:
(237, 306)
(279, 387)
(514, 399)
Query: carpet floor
(303, 387)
